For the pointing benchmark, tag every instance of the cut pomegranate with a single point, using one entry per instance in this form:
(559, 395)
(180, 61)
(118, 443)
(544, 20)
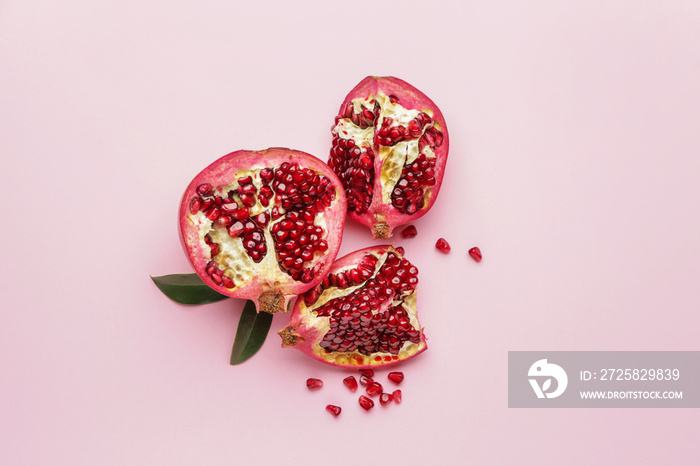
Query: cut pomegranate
(396, 377)
(397, 396)
(314, 384)
(333, 409)
(409, 232)
(443, 246)
(475, 254)
(350, 382)
(390, 146)
(368, 372)
(264, 225)
(366, 403)
(385, 398)
(363, 314)
(375, 389)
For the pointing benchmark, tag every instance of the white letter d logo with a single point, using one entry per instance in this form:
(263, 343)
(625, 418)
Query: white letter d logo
(543, 369)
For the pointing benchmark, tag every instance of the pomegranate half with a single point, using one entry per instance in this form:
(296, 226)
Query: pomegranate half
(263, 225)
(363, 313)
(390, 146)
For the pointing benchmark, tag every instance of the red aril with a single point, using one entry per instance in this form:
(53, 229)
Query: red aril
(263, 225)
(396, 377)
(366, 403)
(409, 232)
(314, 384)
(475, 254)
(363, 313)
(364, 380)
(390, 146)
(385, 398)
(374, 389)
(334, 410)
(350, 382)
(396, 395)
(367, 372)
(443, 246)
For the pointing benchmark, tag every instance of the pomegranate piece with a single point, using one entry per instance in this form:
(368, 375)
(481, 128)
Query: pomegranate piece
(443, 246)
(350, 382)
(314, 384)
(396, 377)
(366, 403)
(364, 380)
(374, 389)
(409, 232)
(363, 314)
(334, 410)
(368, 372)
(475, 254)
(390, 146)
(385, 398)
(396, 395)
(263, 225)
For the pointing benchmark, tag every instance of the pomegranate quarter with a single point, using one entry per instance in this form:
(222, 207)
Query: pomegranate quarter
(363, 313)
(263, 225)
(390, 146)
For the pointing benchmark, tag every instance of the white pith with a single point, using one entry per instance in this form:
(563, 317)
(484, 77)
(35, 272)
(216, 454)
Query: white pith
(322, 323)
(233, 258)
(393, 158)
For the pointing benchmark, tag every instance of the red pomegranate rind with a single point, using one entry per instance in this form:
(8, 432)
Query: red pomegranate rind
(263, 225)
(390, 147)
(362, 315)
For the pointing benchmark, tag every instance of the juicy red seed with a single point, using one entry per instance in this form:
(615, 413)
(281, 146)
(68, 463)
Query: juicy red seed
(409, 232)
(314, 384)
(350, 382)
(366, 403)
(245, 180)
(364, 380)
(367, 372)
(396, 377)
(401, 250)
(475, 253)
(375, 389)
(443, 245)
(205, 189)
(227, 281)
(397, 396)
(334, 410)
(195, 205)
(385, 398)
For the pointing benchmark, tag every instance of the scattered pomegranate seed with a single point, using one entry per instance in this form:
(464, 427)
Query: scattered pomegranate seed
(333, 409)
(314, 384)
(475, 253)
(400, 250)
(367, 372)
(385, 398)
(374, 389)
(409, 232)
(364, 380)
(366, 403)
(396, 377)
(397, 396)
(350, 382)
(443, 245)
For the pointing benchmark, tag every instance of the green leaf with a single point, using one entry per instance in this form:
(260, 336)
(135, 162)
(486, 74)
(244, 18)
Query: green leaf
(251, 333)
(187, 288)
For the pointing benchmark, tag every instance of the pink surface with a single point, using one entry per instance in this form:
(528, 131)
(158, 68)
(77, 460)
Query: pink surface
(574, 162)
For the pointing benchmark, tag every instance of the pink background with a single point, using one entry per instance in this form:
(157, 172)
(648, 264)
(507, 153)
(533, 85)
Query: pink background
(575, 166)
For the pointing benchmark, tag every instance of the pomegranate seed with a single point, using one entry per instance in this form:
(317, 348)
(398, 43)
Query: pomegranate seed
(409, 232)
(364, 380)
(350, 382)
(375, 389)
(401, 250)
(397, 396)
(333, 409)
(475, 253)
(385, 398)
(205, 189)
(314, 384)
(366, 403)
(396, 377)
(443, 246)
(367, 372)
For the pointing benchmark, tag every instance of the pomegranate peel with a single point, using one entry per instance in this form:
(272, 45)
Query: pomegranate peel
(363, 313)
(263, 225)
(390, 147)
